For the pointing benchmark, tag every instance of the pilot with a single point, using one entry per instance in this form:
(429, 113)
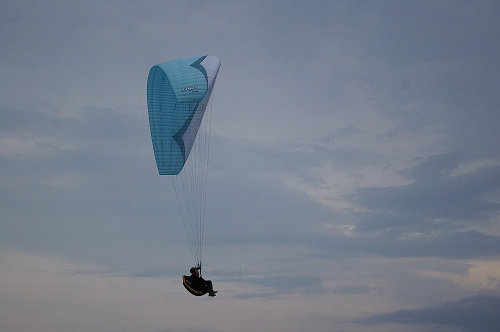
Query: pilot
(200, 284)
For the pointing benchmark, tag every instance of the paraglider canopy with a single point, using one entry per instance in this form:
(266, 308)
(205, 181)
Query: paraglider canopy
(178, 93)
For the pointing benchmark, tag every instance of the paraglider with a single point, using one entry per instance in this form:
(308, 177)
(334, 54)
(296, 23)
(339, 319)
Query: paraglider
(196, 285)
(178, 96)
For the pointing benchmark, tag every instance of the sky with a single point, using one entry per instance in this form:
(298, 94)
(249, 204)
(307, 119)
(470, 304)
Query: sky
(354, 177)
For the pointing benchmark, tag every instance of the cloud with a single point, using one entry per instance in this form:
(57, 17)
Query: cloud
(271, 286)
(478, 313)
(436, 200)
(433, 216)
(453, 245)
(351, 289)
(72, 184)
(286, 283)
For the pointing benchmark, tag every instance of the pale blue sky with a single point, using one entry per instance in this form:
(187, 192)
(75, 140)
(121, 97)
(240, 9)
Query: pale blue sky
(354, 175)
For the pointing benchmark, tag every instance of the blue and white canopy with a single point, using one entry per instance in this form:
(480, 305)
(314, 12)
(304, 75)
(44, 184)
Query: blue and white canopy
(178, 93)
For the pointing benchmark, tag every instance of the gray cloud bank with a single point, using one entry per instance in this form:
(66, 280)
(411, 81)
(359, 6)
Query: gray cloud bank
(478, 313)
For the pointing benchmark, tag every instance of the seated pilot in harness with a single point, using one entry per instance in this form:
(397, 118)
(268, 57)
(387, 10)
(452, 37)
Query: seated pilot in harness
(196, 285)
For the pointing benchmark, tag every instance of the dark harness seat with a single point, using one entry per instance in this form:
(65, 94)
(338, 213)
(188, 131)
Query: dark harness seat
(194, 287)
